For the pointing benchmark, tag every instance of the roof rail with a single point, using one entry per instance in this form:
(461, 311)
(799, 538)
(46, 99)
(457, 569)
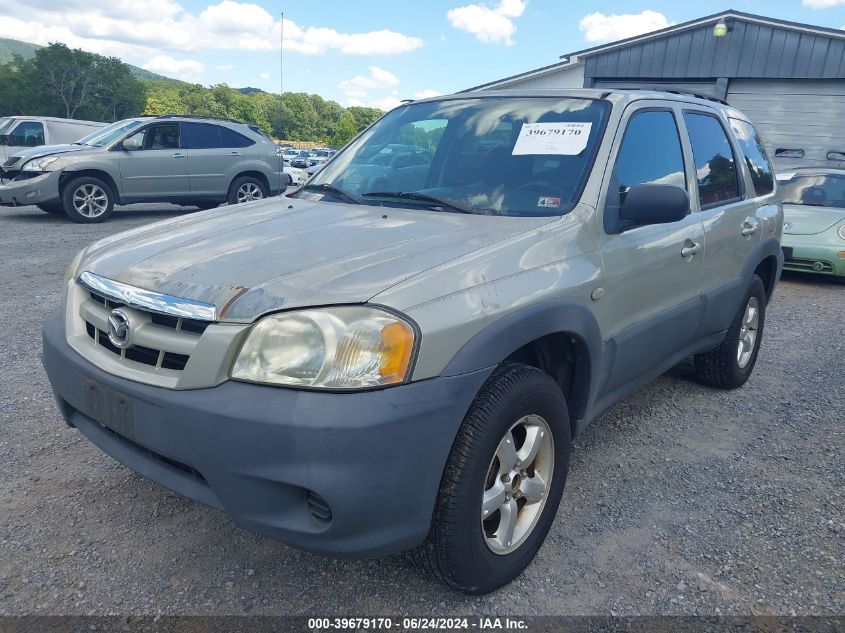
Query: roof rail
(198, 116)
(659, 88)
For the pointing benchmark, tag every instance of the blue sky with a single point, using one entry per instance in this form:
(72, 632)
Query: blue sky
(373, 52)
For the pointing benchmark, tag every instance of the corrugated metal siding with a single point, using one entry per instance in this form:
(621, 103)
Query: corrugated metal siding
(748, 51)
(568, 77)
(704, 88)
(808, 115)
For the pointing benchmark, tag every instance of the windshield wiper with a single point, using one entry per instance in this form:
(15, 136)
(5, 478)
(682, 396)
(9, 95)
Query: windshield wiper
(422, 197)
(327, 188)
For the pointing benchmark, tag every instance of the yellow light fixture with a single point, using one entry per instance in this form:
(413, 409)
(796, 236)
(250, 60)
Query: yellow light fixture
(721, 29)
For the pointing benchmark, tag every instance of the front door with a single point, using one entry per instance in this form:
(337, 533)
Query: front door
(159, 168)
(651, 305)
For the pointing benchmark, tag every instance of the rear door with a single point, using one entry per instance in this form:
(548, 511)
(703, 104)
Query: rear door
(209, 166)
(651, 304)
(159, 168)
(728, 208)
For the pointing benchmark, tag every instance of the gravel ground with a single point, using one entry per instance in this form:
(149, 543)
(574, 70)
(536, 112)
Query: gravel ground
(680, 500)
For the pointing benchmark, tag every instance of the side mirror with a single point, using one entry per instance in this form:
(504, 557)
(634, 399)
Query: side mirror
(131, 144)
(653, 204)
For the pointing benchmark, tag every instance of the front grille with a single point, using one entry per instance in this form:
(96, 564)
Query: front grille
(807, 265)
(154, 344)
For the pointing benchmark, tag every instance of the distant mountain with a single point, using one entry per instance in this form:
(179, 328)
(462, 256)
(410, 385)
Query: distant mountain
(249, 90)
(10, 48)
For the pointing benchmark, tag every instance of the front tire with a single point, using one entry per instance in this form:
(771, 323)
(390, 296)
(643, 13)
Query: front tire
(502, 484)
(246, 189)
(730, 365)
(87, 200)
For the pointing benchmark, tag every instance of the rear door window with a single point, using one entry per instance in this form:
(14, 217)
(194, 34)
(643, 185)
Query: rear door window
(715, 163)
(755, 156)
(201, 135)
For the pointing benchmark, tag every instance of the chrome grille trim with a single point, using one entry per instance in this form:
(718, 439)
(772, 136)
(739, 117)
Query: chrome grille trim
(147, 299)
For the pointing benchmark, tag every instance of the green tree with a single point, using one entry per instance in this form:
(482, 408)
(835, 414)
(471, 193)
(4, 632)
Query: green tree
(345, 130)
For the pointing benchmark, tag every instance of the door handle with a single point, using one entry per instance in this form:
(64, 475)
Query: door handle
(750, 227)
(690, 249)
(178, 155)
(236, 153)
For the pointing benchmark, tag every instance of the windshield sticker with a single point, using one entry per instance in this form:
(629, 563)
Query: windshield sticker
(547, 202)
(562, 139)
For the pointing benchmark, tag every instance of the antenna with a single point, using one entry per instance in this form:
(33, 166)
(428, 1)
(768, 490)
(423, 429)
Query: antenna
(281, 55)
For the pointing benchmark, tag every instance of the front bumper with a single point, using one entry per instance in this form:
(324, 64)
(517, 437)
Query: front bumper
(268, 456)
(807, 251)
(37, 190)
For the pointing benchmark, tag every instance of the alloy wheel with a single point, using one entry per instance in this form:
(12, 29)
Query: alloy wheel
(90, 200)
(748, 332)
(248, 192)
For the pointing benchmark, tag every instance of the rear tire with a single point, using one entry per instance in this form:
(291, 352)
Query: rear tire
(53, 208)
(470, 547)
(246, 189)
(730, 365)
(87, 200)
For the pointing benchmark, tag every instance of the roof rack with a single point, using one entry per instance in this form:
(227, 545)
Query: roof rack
(198, 116)
(687, 93)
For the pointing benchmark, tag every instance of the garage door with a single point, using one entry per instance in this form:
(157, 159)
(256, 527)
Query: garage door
(795, 117)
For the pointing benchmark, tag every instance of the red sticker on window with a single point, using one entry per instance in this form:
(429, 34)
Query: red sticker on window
(548, 202)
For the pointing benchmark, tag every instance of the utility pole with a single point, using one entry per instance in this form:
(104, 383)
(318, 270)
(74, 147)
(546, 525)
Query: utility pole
(282, 55)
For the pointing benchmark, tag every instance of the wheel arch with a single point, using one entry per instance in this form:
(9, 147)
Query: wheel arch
(253, 173)
(766, 262)
(560, 337)
(66, 176)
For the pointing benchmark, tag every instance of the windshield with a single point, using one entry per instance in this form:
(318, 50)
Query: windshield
(498, 156)
(821, 190)
(106, 135)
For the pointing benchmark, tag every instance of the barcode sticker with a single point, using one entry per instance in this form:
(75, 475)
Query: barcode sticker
(562, 139)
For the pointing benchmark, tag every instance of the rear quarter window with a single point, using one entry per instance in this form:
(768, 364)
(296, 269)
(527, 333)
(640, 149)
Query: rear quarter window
(230, 138)
(715, 163)
(755, 156)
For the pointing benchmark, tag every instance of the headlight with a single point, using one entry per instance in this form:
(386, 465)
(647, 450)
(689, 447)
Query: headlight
(39, 164)
(842, 231)
(330, 348)
(70, 273)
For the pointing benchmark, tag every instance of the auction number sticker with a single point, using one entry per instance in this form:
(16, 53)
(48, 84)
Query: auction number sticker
(562, 139)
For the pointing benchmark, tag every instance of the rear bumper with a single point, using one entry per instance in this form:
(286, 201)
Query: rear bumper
(40, 189)
(267, 455)
(805, 253)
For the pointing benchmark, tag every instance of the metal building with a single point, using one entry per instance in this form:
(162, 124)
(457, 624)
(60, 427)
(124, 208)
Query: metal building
(788, 77)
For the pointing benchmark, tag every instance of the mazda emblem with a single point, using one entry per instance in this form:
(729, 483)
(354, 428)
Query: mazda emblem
(120, 329)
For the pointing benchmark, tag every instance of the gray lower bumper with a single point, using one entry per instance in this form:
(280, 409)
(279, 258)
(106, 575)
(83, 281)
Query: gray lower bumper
(261, 453)
(38, 190)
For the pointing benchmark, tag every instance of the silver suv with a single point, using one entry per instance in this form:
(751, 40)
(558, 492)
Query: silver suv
(360, 371)
(188, 160)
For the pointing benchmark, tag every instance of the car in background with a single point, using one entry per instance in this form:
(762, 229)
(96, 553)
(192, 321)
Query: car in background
(320, 156)
(289, 153)
(314, 169)
(814, 220)
(297, 176)
(181, 159)
(33, 131)
(302, 160)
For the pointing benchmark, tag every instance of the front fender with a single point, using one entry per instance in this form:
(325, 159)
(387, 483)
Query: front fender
(502, 338)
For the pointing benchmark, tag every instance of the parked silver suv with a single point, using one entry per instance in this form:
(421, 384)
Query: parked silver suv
(358, 372)
(190, 160)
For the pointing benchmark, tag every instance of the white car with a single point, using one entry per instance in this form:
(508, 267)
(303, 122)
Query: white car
(297, 176)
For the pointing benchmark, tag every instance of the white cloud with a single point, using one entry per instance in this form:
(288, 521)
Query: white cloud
(386, 103)
(598, 27)
(359, 86)
(224, 67)
(187, 69)
(492, 25)
(822, 4)
(427, 94)
(139, 30)
(264, 75)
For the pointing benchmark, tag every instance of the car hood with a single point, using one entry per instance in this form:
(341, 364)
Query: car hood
(804, 220)
(28, 153)
(282, 253)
